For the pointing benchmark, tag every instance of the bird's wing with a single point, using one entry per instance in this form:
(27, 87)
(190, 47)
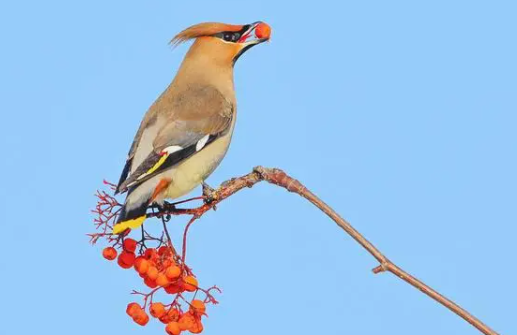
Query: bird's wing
(149, 128)
(197, 117)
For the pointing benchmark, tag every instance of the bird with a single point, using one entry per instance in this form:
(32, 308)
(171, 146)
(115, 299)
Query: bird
(186, 132)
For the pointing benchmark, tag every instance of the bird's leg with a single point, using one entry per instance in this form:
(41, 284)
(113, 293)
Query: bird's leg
(162, 208)
(209, 193)
(142, 241)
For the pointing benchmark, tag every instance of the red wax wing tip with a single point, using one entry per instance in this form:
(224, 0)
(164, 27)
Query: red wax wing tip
(263, 30)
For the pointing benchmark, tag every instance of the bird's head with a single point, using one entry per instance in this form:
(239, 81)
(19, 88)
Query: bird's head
(223, 43)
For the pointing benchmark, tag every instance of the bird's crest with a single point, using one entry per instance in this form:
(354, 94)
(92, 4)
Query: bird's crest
(203, 29)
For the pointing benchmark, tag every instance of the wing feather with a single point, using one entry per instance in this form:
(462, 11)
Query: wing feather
(157, 163)
(193, 120)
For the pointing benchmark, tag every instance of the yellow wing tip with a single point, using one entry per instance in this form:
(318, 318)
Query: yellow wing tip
(133, 223)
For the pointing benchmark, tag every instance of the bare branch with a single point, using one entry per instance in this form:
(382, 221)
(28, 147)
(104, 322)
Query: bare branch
(281, 179)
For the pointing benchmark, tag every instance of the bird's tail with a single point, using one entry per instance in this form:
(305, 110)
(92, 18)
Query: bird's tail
(133, 212)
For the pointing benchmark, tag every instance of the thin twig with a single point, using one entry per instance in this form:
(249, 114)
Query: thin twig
(184, 248)
(281, 179)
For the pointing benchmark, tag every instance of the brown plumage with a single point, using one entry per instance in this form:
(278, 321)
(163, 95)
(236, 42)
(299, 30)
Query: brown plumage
(187, 131)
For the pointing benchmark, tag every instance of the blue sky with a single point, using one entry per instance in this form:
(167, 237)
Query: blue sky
(400, 114)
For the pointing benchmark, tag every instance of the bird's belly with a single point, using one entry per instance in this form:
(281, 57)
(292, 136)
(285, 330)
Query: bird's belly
(194, 170)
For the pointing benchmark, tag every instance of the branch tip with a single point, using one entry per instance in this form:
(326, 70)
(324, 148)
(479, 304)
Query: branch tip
(383, 267)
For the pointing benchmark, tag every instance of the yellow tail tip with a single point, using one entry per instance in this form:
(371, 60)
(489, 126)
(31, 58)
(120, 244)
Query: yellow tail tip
(133, 223)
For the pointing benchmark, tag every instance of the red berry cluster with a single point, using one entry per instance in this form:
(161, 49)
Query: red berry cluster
(161, 268)
(176, 321)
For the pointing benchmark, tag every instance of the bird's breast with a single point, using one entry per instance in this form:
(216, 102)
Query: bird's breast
(194, 170)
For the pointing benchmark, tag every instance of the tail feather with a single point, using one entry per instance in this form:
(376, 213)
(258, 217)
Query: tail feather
(131, 216)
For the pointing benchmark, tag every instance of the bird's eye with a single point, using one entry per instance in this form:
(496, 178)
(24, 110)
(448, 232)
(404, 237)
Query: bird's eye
(229, 36)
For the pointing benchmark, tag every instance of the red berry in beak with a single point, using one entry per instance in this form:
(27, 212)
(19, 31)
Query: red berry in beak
(263, 30)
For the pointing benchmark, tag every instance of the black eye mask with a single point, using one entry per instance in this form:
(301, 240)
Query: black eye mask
(232, 36)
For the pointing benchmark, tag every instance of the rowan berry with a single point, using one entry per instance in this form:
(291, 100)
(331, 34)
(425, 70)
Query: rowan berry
(109, 253)
(152, 272)
(190, 283)
(173, 272)
(173, 328)
(142, 265)
(186, 321)
(172, 315)
(129, 245)
(157, 310)
(162, 280)
(149, 253)
(163, 250)
(126, 259)
(132, 308)
(197, 307)
(174, 288)
(150, 282)
(197, 327)
(141, 318)
(263, 30)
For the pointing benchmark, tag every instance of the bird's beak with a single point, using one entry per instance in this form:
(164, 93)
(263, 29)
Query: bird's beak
(257, 33)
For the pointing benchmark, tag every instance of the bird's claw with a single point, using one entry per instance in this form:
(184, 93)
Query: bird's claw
(163, 208)
(168, 207)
